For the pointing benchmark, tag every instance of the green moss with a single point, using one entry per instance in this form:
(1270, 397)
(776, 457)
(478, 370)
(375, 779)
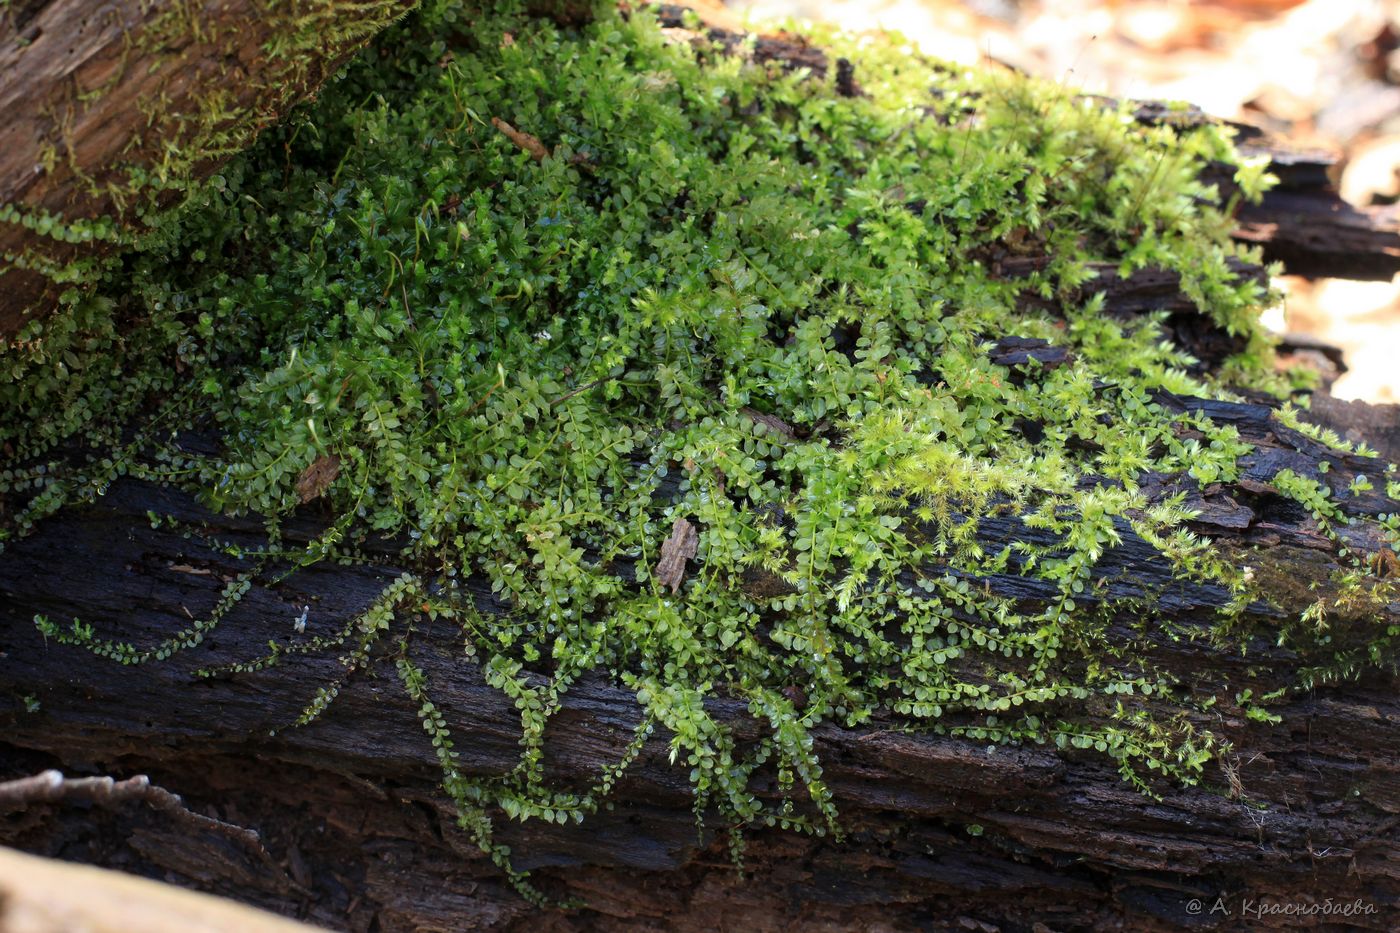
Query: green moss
(182, 137)
(727, 295)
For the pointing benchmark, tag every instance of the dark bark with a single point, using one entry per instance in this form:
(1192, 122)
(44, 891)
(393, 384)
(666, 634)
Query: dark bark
(1304, 224)
(1315, 235)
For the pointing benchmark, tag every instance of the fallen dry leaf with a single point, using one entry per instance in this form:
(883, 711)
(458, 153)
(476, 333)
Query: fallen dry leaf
(1384, 563)
(677, 549)
(530, 144)
(317, 477)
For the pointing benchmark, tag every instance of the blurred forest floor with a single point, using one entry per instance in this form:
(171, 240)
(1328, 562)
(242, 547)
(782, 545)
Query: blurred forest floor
(1321, 73)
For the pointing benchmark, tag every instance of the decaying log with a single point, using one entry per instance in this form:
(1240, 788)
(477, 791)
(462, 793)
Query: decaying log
(1314, 234)
(937, 828)
(1302, 222)
(96, 97)
(940, 832)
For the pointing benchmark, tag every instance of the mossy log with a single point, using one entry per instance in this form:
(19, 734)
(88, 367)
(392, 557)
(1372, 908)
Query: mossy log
(937, 829)
(110, 108)
(355, 830)
(1302, 222)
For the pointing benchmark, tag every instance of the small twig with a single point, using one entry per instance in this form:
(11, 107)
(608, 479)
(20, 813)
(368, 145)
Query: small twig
(530, 144)
(52, 787)
(583, 388)
(500, 381)
(15, 795)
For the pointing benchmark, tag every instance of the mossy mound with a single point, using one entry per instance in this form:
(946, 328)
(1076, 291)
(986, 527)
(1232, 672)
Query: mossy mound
(538, 304)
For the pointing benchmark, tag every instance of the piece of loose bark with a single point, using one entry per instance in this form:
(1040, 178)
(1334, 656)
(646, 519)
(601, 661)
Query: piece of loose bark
(1019, 351)
(530, 144)
(773, 423)
(317, 477)
(846, 84)
(680, 547)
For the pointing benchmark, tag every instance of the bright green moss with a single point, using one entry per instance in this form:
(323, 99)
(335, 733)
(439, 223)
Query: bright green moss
(530, 369)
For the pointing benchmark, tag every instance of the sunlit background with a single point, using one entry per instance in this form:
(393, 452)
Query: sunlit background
(1319, 72)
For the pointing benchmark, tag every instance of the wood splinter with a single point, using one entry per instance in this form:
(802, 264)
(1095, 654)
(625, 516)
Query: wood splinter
(677, 549)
